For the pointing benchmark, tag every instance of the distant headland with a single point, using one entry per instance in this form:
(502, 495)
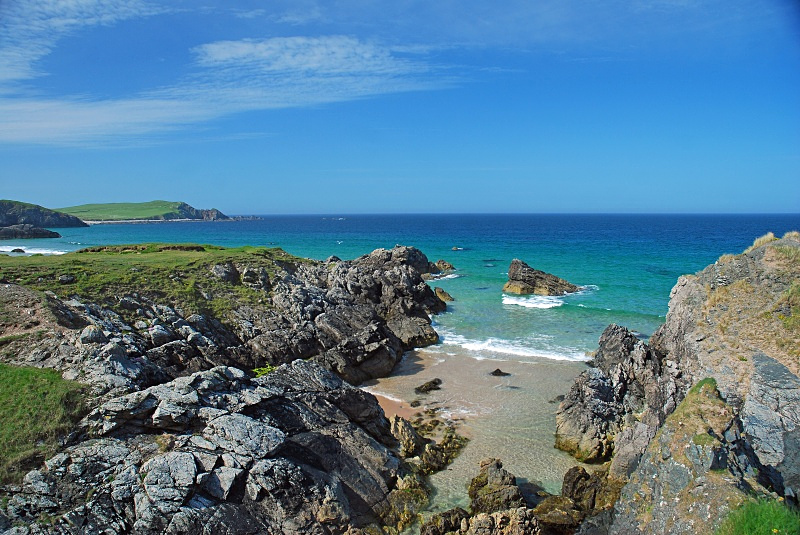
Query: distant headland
(20, 220)
(141, 212)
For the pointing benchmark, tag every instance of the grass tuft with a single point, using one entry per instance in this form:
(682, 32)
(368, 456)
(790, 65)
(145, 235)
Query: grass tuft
(266, 370)
(762, 240)
(792, 235)
(37, 408)
(763, 517)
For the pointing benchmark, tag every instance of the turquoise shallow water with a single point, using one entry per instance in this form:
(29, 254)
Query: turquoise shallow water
(627, 265)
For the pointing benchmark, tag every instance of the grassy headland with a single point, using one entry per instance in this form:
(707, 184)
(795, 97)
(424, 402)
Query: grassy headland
(158, 210)
(179, 274)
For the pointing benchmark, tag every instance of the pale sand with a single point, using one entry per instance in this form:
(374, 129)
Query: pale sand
(396, 408)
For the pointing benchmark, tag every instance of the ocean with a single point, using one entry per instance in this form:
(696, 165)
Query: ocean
(626, 266)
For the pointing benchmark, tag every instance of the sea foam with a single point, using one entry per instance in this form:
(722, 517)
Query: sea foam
(31, 250)
(534, 301)
(497, 348)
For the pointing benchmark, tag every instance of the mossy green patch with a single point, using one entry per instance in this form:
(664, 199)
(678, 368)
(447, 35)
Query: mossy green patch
(37, 408)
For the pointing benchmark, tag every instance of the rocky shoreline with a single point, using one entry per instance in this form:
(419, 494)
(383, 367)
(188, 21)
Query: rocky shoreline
(676, 432)
(183, 438)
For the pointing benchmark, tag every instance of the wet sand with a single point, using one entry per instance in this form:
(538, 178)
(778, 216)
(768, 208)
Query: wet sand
(511, 417)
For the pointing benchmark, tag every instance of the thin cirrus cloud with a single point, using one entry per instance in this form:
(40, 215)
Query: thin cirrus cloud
(229, 77)
(31, 29)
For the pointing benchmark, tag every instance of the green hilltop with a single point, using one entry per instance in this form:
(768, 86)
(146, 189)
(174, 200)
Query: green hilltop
(152, 210)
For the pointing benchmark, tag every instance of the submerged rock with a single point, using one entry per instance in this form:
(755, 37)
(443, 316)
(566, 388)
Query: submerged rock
(523, 279)
(433, 384)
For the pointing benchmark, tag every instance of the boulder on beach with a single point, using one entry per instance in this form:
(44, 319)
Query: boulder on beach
(523, 279)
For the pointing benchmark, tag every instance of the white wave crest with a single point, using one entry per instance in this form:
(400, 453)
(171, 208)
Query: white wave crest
(534, 301)
(31, 250)
(496, 348)
(445, 277)
(377, 392)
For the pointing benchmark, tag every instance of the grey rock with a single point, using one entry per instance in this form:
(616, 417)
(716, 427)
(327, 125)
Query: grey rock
(25, 231)
(771, 420)
(92, 334)
(296, 451)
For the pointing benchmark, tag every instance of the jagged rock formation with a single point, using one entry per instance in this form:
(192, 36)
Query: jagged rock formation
(183, 441)
(736, 323)
(355, 318)
(523, 279)
(297, 451)
(26, 231)
(19, 213)
(185, 211)
(629, 378)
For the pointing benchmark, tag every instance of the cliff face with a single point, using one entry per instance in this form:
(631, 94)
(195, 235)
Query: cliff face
(181, 440)
(184, 211)
(733, 331)
(19, 213)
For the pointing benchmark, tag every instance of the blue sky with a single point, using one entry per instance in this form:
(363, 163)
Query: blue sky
(358, 106)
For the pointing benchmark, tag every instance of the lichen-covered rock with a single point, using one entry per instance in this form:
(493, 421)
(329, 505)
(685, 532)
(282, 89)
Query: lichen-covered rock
(523, 279)
(355, 318)
(694, 471)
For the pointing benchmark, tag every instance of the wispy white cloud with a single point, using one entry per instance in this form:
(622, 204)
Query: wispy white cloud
(230, 77)
(321, 55)
(30, 29)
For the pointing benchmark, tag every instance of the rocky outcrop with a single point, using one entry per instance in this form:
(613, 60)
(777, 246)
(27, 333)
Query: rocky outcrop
(732, 330)
(442, 294)
(523, 279)
(26, 231)
(499, 508)
(296, 451)
(184, 211)
(698, 466)
(20, 213)
(619, 403)
(355, 318)
(494, 489)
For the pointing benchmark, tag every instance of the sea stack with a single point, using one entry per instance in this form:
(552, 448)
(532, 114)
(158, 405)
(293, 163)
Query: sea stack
(523, 279)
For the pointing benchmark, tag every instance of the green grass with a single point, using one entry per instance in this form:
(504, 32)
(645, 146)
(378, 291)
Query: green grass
(178, 275)
(126, 210)
(37, 408)
(709, 382)
(764, 517)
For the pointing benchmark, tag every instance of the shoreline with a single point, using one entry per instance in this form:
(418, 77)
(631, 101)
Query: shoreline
(145, 221)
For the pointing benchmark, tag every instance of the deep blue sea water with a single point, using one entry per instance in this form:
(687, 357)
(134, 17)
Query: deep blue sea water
(627, 265)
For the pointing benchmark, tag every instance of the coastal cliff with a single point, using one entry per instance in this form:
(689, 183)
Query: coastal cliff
(182, 437)
(19, 220)
(704, 417)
